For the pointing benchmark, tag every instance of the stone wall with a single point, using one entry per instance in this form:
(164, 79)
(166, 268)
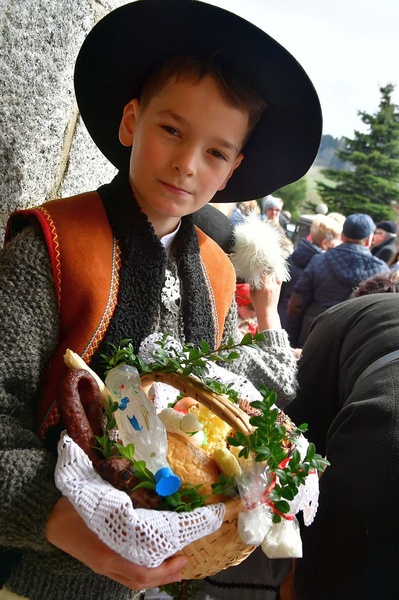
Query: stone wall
(45, 151)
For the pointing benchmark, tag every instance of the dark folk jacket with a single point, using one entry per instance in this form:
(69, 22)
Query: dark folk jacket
(351, 550)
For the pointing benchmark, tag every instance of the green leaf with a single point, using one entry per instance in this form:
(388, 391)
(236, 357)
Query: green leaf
(282, 506)
(126, 451)
(287, 493)
(226, 486)
(204, 347)
(295, 459)
(145, 484)
(311, 451)
(240, 438)
(302, 428)
(247, 339)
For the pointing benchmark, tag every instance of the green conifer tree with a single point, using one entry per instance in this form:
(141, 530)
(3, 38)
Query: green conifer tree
(293, 196)
(371, 185)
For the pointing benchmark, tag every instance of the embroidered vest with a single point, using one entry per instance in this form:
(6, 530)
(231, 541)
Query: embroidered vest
(85, 261)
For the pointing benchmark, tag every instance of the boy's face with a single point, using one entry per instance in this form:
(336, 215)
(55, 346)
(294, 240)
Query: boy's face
(185, 146)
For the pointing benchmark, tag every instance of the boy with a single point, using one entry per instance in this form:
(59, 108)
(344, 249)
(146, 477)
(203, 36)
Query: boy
(126, 261)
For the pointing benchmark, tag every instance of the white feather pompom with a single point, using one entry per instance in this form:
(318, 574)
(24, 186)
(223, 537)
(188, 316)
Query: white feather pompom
(259, 248)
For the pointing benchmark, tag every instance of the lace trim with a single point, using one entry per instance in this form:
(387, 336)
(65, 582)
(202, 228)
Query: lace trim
(170, 295)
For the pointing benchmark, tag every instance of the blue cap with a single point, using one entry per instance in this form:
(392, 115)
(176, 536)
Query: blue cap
(167, 482)
(358, 226)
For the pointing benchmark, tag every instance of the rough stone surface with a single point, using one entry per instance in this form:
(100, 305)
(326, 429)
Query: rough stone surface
(45, 152)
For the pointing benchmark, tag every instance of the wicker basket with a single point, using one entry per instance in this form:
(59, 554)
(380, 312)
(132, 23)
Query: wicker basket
(224, 547)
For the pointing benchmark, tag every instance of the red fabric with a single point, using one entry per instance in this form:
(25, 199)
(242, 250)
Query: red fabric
(242, 294)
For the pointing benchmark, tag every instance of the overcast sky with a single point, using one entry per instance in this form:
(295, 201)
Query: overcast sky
(349, 48)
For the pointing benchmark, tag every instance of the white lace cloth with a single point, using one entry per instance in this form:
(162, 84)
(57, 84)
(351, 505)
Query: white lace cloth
(145, 537)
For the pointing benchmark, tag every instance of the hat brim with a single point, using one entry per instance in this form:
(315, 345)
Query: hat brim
(125, 47)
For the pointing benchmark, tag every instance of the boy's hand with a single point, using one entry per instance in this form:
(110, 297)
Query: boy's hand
(265, 303)
(66, 530)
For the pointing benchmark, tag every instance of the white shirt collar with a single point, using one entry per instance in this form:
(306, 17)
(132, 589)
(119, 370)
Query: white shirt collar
(167, 239)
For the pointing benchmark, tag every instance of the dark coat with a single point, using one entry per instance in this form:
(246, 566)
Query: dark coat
(386, 250)
(351, 550)
(297, 261)
(329, 279)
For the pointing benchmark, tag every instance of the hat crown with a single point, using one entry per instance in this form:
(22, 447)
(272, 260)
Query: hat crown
(358, 226)
(388, 226)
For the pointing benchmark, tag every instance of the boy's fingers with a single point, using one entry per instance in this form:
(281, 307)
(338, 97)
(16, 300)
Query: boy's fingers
(138, 577)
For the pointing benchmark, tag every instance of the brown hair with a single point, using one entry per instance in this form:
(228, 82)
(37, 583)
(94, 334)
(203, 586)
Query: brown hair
(235, 92)
(381, 283)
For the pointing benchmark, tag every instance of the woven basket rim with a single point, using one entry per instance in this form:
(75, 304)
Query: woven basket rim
(219, 404)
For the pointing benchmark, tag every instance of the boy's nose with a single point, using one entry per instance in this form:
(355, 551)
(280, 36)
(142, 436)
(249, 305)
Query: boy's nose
(185, 161)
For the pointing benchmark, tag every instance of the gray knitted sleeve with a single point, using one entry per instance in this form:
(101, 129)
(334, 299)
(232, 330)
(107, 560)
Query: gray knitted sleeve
(274, 365)
(28, 337)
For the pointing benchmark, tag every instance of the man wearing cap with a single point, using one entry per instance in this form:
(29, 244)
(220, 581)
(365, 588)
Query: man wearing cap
(384, 241)
(330, 278)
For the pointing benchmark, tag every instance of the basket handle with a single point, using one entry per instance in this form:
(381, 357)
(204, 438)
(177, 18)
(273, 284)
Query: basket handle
(220, 405)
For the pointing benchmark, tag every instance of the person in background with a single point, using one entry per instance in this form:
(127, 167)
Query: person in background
(351, 405)
(286, 217)
(325, 233)
(381, 283)
(284, 220)
(271, 209)
(384, 241)
(338, 217)
(242, 210)
(330, 277)
(395, 264)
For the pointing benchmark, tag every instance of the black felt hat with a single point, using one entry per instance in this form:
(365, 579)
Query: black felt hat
(216, 225)
(388, 226)
(127, 44)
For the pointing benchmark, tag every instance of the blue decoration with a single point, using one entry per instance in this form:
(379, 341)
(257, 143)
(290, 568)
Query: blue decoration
(135, 424)
(123, 403)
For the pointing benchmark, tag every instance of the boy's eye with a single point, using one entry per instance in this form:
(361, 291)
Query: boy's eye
(218, 154)
(170, 129)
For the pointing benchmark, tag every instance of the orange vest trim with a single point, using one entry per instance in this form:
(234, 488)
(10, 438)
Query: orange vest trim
(85, 260)
(221, 279)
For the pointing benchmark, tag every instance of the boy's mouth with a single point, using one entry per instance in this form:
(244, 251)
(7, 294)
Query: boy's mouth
(175, 189)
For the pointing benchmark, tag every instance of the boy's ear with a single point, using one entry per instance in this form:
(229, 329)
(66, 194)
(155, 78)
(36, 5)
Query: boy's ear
(128, 122)
(236, 164)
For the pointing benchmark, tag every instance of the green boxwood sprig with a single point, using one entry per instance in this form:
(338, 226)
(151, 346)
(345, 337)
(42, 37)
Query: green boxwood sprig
(267, 444)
